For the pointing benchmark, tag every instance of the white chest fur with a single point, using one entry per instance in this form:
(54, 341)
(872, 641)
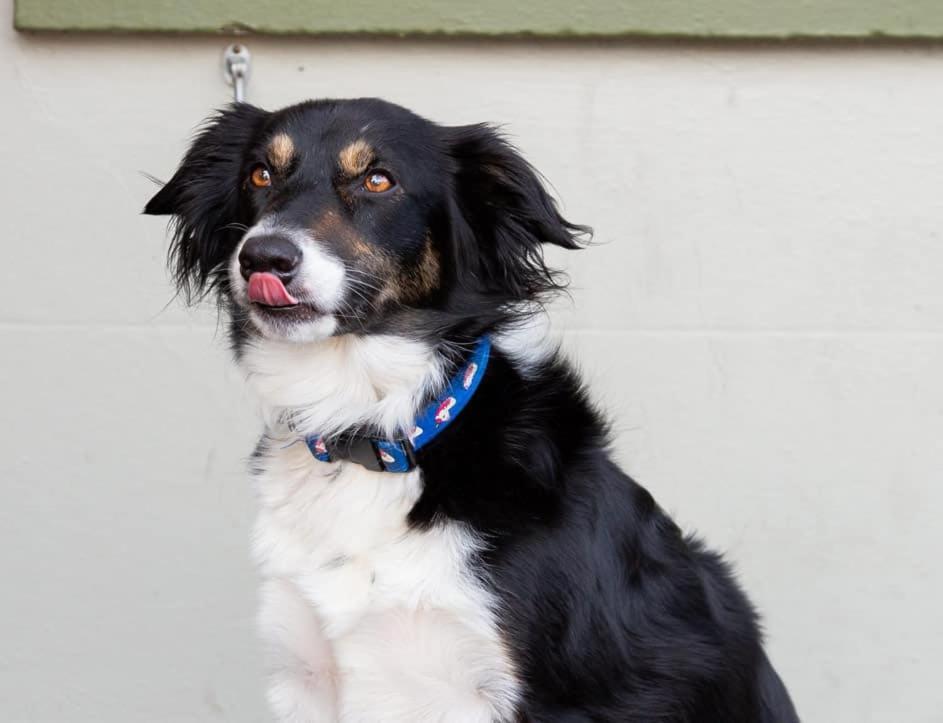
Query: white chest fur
(365, 619)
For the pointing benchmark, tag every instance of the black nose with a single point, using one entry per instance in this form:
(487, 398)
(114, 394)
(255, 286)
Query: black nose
(272, 254)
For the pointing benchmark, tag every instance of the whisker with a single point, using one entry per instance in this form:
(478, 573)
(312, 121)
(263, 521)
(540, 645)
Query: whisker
(363, 297)
(360, 275)
(234, 226)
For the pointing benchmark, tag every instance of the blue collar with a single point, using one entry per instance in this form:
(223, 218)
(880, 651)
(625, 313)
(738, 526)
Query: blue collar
(399, 455)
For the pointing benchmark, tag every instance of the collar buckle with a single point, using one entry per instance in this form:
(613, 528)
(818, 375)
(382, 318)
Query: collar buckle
(361, 450)
(376, 455)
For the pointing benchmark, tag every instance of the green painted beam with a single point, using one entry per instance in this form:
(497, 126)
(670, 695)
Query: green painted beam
(565, 18)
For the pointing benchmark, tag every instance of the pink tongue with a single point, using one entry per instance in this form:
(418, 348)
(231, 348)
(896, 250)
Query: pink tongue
(268, 289)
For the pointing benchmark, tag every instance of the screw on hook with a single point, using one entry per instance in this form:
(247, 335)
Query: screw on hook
(236, 66)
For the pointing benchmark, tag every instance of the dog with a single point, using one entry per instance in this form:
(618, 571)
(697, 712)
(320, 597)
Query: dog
(443, 534)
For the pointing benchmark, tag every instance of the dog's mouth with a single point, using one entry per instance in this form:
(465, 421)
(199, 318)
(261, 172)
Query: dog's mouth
(267, 291)
(276, 308)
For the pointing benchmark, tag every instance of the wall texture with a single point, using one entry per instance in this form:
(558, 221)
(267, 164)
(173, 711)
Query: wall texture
(763, 315)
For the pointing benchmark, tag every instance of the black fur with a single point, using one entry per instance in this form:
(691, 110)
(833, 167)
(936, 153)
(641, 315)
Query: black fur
(611, 613)
(203, 197)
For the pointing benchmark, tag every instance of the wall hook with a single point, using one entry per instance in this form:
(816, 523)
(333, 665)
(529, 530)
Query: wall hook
(236, 65)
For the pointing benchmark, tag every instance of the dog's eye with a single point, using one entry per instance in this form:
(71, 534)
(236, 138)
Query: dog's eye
(377, 182)
(260, 177)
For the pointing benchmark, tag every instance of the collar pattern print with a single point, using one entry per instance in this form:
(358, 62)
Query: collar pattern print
(398, 455)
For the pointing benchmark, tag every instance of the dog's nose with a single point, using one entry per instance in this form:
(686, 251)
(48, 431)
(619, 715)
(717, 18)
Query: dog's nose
(272, 254)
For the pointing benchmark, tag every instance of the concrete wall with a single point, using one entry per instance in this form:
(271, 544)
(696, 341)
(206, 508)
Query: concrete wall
(763, 317)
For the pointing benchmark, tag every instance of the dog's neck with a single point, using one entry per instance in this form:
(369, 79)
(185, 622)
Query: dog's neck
(342, 383)
(372, 382)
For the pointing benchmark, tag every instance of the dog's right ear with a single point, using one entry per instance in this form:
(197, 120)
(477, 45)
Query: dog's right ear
(203, 196)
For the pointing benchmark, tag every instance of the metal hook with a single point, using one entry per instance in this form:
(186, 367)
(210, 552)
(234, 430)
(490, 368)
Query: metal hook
(236, 66)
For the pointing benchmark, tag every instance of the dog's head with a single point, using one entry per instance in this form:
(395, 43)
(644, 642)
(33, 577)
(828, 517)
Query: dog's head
(335, 217)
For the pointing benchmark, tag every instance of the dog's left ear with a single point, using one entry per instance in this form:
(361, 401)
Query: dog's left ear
(505, 215)
(203, 196)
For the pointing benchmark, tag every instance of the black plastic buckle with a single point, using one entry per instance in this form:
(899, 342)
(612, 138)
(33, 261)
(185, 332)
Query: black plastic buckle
(364, 451)
(360, 450)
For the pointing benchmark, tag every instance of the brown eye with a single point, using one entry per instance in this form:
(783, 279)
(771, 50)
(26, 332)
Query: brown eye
(260, 177)
(377, 182)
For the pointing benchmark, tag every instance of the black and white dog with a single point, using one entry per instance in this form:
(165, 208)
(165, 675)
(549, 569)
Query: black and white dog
(443, 534)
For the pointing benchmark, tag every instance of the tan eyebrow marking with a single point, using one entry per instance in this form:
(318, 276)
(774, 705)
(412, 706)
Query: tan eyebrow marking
(356, 158)
(281, 150)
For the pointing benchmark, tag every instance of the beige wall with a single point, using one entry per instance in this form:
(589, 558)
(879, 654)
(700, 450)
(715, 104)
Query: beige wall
(762, 315)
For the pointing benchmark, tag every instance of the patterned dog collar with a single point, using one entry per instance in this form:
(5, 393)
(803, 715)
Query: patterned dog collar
(399, 455)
